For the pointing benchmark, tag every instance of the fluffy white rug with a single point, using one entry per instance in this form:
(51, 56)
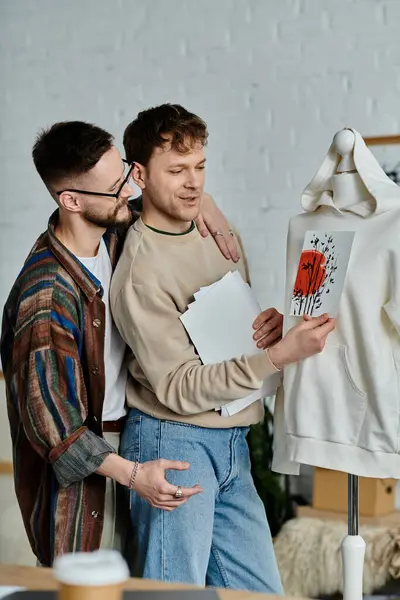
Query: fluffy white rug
(310, 562)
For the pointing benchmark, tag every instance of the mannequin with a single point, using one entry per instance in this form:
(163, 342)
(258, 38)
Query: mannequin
(348, 190)
(347, 186)
(339, 410)
(343, 142)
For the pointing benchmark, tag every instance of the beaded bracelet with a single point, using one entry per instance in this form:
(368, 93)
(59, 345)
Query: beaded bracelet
(132, 482)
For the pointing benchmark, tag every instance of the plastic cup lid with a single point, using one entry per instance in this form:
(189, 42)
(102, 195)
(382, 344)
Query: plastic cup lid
(101, 567)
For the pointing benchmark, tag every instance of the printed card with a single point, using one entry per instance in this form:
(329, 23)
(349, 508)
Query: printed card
(321, 273)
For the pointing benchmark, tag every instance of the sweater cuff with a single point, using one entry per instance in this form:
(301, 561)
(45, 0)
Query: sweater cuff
(82, 458)
(262, 366)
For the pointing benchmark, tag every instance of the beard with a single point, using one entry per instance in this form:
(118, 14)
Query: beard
(118, 218)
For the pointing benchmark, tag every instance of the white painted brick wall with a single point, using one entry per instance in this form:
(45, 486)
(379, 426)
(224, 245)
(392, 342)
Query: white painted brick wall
(274, 79)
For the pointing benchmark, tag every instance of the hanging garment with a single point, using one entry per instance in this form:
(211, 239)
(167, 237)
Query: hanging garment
(340, 409)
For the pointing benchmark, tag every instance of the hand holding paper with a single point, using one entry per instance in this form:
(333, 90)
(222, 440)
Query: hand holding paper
(219, 324)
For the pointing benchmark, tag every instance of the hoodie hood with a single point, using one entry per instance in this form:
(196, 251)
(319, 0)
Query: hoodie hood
(384, 191)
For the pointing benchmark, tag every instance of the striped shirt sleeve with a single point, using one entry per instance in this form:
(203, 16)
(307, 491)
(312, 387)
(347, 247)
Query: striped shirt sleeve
(53, 413)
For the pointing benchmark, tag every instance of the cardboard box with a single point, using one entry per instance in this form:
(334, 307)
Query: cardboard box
(330, 493)
(392, 520)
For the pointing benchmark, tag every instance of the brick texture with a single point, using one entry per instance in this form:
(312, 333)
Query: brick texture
(273, 79)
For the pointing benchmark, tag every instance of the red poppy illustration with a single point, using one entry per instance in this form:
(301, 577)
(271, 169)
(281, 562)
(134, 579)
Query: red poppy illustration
(315, 275)
(312, 272)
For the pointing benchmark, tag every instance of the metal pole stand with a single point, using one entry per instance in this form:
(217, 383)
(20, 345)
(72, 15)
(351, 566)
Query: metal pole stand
(353, 548)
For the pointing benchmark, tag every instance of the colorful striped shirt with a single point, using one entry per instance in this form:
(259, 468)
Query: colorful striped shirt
(52, 352)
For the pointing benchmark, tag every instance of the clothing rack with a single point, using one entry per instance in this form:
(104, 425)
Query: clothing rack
(382, 140)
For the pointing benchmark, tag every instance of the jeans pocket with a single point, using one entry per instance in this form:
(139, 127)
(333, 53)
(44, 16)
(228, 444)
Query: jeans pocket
(130, 447)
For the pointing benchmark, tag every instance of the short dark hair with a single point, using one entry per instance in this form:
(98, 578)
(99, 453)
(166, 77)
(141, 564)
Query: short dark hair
(152, 128)
(69, 148)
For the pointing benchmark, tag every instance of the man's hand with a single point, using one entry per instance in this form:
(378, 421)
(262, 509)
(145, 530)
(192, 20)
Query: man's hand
(151, 484)
(268, 327)
(211, 220)
(303, 340)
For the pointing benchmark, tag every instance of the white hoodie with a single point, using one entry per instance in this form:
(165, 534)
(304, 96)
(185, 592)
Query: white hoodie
(341, 409)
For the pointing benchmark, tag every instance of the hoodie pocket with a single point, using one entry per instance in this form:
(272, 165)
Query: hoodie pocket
(322, 400)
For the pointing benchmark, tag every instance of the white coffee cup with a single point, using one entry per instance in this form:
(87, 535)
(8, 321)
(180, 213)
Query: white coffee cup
(98, 575)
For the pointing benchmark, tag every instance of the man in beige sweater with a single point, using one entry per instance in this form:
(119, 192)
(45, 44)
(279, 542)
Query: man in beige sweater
(222, 537)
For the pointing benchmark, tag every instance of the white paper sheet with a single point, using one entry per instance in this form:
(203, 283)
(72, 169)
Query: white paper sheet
(219, 324)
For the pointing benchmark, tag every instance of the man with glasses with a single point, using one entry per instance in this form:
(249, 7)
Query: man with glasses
(63, 358)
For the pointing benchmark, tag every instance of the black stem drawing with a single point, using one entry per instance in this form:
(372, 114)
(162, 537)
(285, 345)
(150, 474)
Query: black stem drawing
(309, 300)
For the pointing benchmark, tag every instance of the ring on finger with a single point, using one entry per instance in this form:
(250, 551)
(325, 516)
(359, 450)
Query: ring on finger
(218, 233)
(178, 493)
(231, 233)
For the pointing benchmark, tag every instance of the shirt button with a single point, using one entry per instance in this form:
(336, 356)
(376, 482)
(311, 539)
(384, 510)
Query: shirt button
(95, 514)
(96, 323)
(95, 370)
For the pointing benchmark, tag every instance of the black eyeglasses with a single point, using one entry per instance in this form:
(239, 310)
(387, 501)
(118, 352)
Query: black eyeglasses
(109, 195)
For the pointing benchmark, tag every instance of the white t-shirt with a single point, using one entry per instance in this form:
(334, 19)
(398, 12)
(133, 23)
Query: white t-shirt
(114, 345)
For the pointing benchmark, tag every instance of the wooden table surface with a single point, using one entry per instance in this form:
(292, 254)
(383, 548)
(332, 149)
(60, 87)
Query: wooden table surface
(37, 578)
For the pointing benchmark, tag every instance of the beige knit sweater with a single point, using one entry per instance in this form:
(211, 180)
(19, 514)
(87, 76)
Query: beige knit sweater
(153, 284)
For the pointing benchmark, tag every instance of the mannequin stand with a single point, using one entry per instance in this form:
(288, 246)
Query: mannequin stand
(353, 545)
(353, 548)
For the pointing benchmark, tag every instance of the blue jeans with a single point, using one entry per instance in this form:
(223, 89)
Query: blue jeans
(218, 538)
